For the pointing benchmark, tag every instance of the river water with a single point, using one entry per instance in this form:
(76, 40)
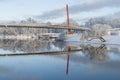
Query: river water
(86, 62)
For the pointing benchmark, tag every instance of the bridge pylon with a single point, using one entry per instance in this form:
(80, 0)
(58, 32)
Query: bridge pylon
(68, 19)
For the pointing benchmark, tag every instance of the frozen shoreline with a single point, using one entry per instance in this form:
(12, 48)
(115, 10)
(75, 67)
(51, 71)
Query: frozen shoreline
(20, 37)
(112, 40)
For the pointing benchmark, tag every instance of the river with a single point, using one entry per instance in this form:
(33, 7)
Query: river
(75, 61)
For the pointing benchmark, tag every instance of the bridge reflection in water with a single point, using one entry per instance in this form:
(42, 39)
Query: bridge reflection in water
(96, 53)
(48, 47)
(54, 60)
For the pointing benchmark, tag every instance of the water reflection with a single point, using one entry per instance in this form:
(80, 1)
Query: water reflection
(96, 53)
(98, 57)
(80, 61)
(30, 45)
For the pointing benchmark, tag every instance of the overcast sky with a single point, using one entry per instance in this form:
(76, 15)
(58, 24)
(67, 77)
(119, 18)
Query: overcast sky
(54, 10)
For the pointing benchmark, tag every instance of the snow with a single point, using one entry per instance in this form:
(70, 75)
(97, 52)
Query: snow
(19, 37)
(73, 40)
(113, 40)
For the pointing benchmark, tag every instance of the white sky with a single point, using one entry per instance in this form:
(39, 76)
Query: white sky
(18, 9)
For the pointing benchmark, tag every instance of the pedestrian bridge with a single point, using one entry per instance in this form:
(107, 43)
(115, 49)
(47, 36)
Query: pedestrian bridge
(44, 26)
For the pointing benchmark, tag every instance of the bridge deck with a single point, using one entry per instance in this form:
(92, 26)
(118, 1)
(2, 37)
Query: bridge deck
(43, 26)
(43, 53)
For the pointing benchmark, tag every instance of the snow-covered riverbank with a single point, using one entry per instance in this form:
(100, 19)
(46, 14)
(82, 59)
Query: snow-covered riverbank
(19, 37)
(115, 40)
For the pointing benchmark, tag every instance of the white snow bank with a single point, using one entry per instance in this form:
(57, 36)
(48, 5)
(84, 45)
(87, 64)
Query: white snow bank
(112, 39)
(109, 40)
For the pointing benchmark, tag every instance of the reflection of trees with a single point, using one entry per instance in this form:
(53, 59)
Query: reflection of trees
(99, 53)
(96, 53)
(21, 45)
(30, 45)
(60, 44)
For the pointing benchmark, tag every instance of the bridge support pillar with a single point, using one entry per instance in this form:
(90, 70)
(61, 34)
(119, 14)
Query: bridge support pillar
(68, 19)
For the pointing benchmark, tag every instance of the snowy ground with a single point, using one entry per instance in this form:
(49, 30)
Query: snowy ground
(112, 40)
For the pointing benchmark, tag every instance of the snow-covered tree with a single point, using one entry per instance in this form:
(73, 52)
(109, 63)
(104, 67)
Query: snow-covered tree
(100, 29)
